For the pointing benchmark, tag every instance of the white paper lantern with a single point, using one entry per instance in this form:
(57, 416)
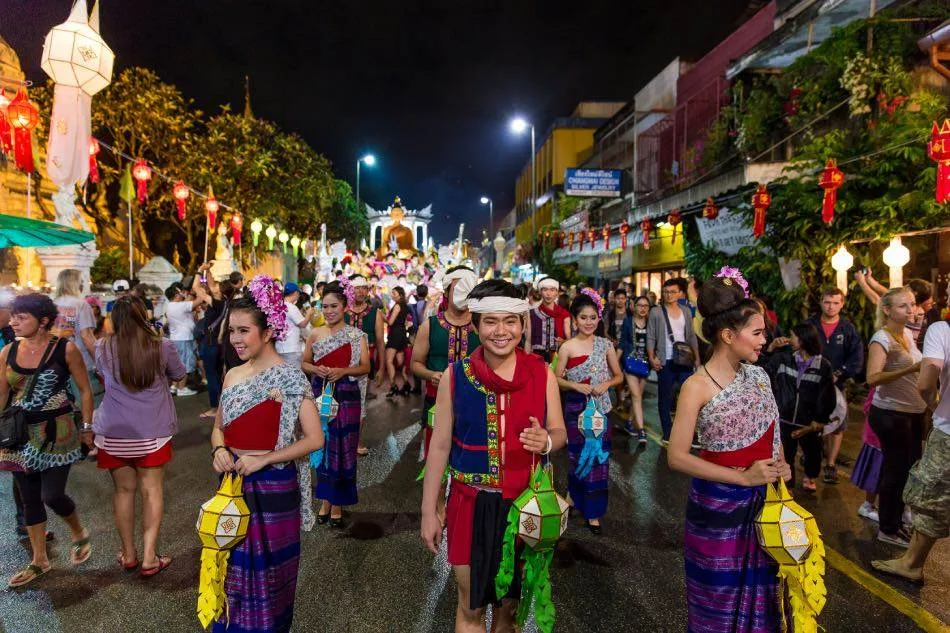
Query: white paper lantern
(842, 261)
(74, 53)
(896, 257)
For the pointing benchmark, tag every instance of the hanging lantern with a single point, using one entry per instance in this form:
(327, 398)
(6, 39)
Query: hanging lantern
(591, 236)
(295, 245)
(237, 224)
(23, 116)
(327, 409)
(761, 200)
(606, 234)
(538, 517)
(710, 210)
(624, 229)
(646, 226)
(939, 151)
(896, 256)
(570, 241)
(93, 163)
(181, 192)
(841, 262)
(283, 237)
(222, 524)
(790, 535)
(256, 228)
(831, 179)
(212, 206)
(142, 174)
(591, 423)
(6, 133)
(74, 54)
(674, 219)
(271, 233)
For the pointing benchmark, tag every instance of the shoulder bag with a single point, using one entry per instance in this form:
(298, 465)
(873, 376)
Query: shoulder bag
(683, 357)
(14, 427)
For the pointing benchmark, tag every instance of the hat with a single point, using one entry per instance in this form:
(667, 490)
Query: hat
(120, 284)
(307, 288)
(290, 288)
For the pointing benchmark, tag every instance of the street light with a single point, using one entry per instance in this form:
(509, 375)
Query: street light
(370, 160)
(518, 125)
(491, 218)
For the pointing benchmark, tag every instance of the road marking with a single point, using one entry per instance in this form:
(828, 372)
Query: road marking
(923, 618)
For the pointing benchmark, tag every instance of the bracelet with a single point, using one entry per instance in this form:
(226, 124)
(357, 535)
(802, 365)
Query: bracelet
(218, 448)
(547, 448)
(86, 426)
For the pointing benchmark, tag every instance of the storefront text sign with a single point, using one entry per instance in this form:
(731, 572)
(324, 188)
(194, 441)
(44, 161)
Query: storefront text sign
(601, 183)
(727, 233)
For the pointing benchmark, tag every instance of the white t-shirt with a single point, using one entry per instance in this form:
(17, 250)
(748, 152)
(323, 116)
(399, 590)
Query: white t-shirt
(937, 346)
(181, 321)
(74, 316)
(901, 394)
(678, 325)
(291, 342)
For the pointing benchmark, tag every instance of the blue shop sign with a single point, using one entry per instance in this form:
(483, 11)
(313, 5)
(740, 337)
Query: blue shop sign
(600, 183)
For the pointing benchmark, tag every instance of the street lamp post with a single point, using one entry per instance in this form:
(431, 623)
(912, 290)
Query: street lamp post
(491, 221)
(370, 160)
(519, 126)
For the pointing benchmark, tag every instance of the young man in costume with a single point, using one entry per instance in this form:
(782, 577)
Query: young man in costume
(488, 431)
(444, 338)
(365, 316)
(549, 324)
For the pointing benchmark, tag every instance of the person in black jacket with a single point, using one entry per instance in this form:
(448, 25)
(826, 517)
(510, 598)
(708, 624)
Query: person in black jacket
(804, 387)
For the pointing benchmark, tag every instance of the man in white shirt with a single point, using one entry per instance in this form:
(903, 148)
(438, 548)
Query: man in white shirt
(927, 492)
(289, 348)
(179, 313)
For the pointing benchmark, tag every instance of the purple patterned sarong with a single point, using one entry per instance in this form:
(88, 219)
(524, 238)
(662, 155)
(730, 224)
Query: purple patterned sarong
(589, 494)
(731, 583)
(336, 475)
(261, 582)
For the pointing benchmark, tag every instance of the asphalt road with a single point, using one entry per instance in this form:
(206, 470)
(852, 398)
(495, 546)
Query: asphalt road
(374, 575)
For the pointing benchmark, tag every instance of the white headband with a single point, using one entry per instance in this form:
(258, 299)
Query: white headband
(464, 280)
(549, 282)
(498, 304)
(359, 282)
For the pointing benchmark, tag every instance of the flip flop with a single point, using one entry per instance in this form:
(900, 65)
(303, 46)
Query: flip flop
(80, 551)
(362, 451)
(888, 567)
(33, 572)
(129, 567)
(207, 415)
(163, 563)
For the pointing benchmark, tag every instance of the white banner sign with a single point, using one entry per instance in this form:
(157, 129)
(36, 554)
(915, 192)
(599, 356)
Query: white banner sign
(727, 233)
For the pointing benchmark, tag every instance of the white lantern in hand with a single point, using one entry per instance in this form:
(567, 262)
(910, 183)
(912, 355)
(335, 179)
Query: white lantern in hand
(74, 54)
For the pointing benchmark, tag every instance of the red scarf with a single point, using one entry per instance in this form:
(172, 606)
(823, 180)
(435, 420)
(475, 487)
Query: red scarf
(526, 391)
(559, 314)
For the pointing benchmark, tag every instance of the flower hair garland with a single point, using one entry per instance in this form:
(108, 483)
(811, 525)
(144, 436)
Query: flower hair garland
(596, 298)
(730, 274)
(269, 297)
(349, 291)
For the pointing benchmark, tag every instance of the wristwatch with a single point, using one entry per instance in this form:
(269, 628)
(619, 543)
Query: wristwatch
(86, 426)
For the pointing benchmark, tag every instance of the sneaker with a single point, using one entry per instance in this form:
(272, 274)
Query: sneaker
(628, 429)
(869, 512)
(830, 475)
(186, 391)
(642, 438)
(173, 391)
(899, 538)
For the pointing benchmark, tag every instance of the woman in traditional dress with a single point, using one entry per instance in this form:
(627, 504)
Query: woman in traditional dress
(339, 354)
(587, 367)
(266, 428)
(731, 583)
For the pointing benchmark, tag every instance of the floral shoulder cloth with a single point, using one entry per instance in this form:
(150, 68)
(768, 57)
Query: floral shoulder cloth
(595, 368)
(740, 414)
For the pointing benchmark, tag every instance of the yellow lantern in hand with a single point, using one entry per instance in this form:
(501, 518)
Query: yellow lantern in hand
(222, 524)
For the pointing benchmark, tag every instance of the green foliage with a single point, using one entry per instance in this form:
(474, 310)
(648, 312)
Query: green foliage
(111, 264)
(348, 222)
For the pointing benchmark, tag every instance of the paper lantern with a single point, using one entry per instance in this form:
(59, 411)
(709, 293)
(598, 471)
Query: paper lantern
(181, 192)
(896, 257)
(761, 201)
(271, 233)
(606, 234)
(142, 174)
(295, 246)
(93, 163)
(831, 179)
(674, 220)
(570, 241)
(23, 115)
(591, 236)
(624, 229)
(256, 228)
(74, 54)
(710, 210)
(211, 207)
(283, 237)
(6, 133)
(841, 262)
(939, 151)
(327, 409)
(542, 516)
(222, 524)
(790, 535)
(237, 224)
(646, 226)
(592, 424)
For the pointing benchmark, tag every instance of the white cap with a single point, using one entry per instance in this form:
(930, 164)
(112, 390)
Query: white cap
(120, 284)
(307, 288)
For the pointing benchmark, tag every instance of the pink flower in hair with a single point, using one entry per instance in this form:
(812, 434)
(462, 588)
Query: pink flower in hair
(348, 290)
(269, 297)
(597, 299)
(728, 272)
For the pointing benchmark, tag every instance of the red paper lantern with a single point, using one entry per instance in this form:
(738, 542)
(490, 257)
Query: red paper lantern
(711, 210)
(93, 164)
(761, 200)
(939, 151)
(23, 116)
(624, 229)
(142, 174)
(646, 226)
(674, 219)
(831, 179)
(181, 192)
(212, 206)
(570, 242)
(6, 133)
(237, 224)
(591, 236)
(606, 234)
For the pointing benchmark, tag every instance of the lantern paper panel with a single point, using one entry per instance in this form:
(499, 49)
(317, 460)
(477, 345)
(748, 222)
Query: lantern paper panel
(831, 180)
(542, 514)
(223, 519)
(67, 149)
(75, 55)
(939, 151)
(23, 115)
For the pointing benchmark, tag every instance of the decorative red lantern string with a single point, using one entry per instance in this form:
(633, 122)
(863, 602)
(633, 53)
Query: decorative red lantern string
(23, 116)
(761, 200)
(212, 206)
(181, 192)
(646, 226)
(939, 151)
(711, 210)
(237, 224)
(93, 164)
(674, 219)
(606, 234)
(142, 174)
(624, 229)
(831, 179)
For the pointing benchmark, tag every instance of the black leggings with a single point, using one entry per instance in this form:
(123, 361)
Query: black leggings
(44, 488)
(811, 449)
(901, 436)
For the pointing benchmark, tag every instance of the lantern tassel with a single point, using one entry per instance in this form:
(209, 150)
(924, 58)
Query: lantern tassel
(536, 588)
(141, 190)
(212, 601)
(758, 222)
(93, 169)
(828, 206)
(23, 150)
(180, 203)
(593, 452)
(943, 181)
(318, 458)
(506, 568)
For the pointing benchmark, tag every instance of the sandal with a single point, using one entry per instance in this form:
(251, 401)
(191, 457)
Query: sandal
(80, 551)
(362, 451)
(890, 567)
(27, 575)
(129, 567)
(163, 563)
(208, 415)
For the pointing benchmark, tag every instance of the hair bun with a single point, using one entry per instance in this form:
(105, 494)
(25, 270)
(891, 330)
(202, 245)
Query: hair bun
(719, 295)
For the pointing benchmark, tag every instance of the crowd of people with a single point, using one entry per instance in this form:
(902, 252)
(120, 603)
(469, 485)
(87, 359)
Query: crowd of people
(507, 375)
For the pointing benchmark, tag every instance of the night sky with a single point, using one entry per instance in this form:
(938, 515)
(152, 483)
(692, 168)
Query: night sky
(426, 86)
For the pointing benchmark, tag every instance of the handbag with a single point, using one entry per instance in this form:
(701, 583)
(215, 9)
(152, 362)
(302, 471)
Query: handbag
(636, 366)
(683, 357)
(14, 426)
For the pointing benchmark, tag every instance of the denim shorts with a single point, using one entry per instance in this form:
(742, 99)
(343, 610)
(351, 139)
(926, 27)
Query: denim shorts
(186, 352)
